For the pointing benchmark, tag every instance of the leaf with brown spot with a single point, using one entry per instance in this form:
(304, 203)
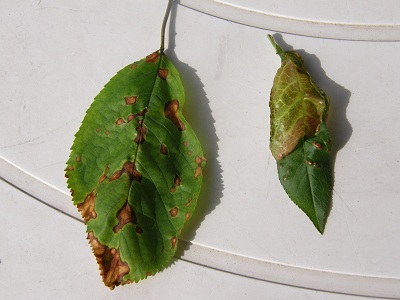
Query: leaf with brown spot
(300, 139)
(133, 145)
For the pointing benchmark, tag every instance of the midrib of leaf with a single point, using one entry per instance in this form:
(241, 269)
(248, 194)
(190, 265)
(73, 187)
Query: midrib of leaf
(310, 184)
(144, 118)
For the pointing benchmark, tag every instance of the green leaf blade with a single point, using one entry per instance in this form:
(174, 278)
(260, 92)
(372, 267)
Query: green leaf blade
(135, 170)
(306, 177)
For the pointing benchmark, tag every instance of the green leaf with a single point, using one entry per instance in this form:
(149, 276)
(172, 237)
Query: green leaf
(299, 138)
(135, 170)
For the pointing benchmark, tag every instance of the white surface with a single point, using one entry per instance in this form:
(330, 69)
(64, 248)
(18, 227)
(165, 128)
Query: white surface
(363, 20)
(47, 257)
(56, 56)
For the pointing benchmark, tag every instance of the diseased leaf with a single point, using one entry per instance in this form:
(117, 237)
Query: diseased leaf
(299, 138)
(135, 170)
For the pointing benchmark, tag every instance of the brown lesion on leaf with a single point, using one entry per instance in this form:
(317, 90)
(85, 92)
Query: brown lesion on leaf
(120, 121)
(134, 66)
(148, 274)
(71, 192)
(141, 133)
(173, 242)
(117, 174)
(177, 180)
(125, 215)
(78, 159)
(152, 57)
(104, 175)
(171, 112)
(86, 208)
(163, 149)
(130, 100)
(107, 132)
(112, 268)
(199, 161)
(97, 129)
(188, 202)
(70, 168)
(317, 145)
(139, 114)
(187, 216)
(130, 169)
(173, 212)
(102, 178)
(185, 144)
(189, 153)
(172, 189)
(163, 73)
(139, 229)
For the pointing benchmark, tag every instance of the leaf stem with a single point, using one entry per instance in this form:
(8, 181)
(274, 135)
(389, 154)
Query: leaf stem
(164, 24)
(278, 49)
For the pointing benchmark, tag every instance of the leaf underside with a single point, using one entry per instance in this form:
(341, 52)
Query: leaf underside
(135, 170)
(299, 138)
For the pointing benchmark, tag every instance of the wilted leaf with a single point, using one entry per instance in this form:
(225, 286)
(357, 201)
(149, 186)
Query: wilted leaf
(299, 139)
(135, 170)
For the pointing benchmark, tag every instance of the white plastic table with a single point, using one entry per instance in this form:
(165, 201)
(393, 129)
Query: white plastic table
(247, 240)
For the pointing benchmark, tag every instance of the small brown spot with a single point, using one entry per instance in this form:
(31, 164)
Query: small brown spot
(177, 180)
(70, 168)
(317, 145)
(130, 117)
(128, 281)
(163, 149)
(141, 133)
(86, 208)
(72, 192)
(173, 212)
(66, 176)
(172, 189)
(188, 203)
(187, 216)
(134, 66)
(199, 161)
(163, 73)
(185, 144)
(173, 242)
(139, 230)
(120, 121)
(130, 100)
(98, 129)
(148, 274)
(117, 174)
(152, 57)
(189, 152)
(107, 132)
(125, 215)
(78, 159)
(171, 112)
(102, 178)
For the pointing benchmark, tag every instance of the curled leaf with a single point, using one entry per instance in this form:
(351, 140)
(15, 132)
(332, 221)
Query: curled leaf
(136, 170)
(299, 139)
